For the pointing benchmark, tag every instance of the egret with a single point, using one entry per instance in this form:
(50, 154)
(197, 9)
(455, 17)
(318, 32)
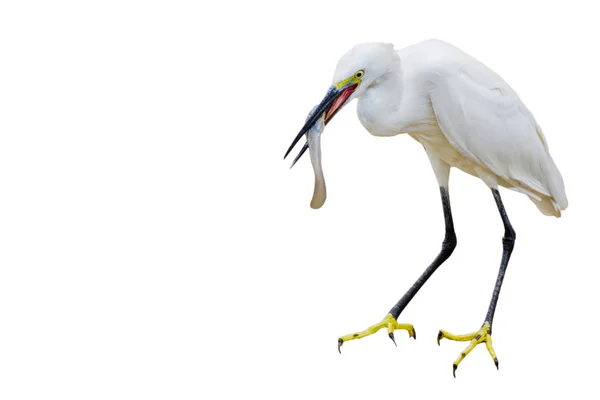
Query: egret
(465, 116)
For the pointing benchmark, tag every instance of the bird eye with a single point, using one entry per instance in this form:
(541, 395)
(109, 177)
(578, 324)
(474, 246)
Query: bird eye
(359, 74)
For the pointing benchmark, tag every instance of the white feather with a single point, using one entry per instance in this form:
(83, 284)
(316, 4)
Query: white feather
(463, 113)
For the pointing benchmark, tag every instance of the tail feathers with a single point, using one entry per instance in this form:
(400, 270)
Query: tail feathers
(548, 206)
(555, 198)
(556, 186)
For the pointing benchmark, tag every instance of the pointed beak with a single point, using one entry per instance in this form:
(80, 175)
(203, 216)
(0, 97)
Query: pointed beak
(333, 101)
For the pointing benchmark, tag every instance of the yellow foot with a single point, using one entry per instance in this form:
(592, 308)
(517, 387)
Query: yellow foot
(482, 335)
(388, 322)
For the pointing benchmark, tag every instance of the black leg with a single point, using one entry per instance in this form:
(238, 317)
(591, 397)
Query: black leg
(508, 243)
(390, 321)
(484, 335)
(448, 246)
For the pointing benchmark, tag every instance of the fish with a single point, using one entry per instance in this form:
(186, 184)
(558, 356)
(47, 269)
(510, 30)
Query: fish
(313, 144)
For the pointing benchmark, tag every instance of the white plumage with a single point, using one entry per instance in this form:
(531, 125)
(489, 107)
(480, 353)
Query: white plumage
(465, 116)
(463, 113)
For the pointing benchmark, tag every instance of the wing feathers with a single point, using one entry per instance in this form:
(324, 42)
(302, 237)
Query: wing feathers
(491, 126)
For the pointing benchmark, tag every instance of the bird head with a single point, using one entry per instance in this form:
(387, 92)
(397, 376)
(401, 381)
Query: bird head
(356, 71)
(363, 65)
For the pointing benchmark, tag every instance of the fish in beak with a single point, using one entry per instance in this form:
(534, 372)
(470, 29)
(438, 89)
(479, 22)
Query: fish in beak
(315, 123)
(314, 145)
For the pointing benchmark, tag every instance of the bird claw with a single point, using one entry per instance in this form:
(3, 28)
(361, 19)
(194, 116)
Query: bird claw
(391, 335)
(481, 336)
(388, 322)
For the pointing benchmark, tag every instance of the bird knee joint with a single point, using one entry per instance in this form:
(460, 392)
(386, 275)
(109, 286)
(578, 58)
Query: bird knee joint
(449, 243)
(509, 241)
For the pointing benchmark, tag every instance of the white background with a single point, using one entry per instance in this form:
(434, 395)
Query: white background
(154, 244)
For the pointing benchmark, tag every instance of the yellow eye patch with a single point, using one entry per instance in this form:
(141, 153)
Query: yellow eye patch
(354, 78)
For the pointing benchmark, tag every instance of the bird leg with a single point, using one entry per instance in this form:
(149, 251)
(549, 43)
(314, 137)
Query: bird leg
(485, 333)
(391, 318)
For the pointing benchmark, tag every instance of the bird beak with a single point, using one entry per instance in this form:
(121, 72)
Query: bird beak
(333, 101)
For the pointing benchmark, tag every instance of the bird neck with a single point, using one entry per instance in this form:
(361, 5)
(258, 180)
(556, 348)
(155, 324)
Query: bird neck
(379, 107)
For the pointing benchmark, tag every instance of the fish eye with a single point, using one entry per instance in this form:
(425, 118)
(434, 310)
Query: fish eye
(359, 74)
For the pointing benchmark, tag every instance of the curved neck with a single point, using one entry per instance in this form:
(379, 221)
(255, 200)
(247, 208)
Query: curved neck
(379, 107)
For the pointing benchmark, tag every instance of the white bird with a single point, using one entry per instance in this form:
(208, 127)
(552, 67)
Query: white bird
(465, 116)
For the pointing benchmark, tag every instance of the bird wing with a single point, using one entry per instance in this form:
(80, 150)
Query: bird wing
(484, 119)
